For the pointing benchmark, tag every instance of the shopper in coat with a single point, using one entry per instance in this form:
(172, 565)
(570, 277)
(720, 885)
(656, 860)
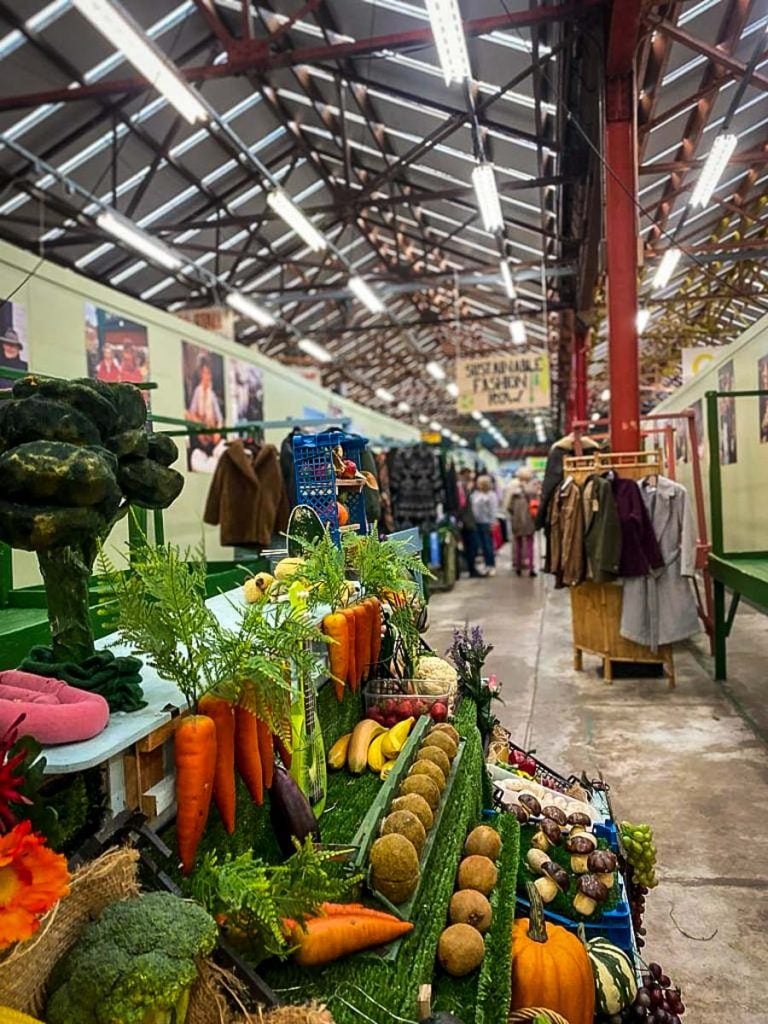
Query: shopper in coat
(466, 519)
(247, 496)
(660, 608)
(485, 508)
(521, 493)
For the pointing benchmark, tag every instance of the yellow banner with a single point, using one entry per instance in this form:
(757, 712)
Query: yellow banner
(503, 381)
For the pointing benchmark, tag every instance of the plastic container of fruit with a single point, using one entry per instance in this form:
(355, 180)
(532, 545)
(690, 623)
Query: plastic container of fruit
(389, 701)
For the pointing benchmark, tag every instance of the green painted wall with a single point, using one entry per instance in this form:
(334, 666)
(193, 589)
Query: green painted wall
(54, 300)
(745, 482)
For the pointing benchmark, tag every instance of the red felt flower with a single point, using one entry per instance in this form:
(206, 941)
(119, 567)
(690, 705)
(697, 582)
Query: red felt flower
(11, 780)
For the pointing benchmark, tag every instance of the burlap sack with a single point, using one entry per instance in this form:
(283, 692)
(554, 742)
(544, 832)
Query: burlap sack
(25, 970)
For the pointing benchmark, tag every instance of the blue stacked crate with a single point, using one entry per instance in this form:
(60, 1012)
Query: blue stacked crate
(316, 484)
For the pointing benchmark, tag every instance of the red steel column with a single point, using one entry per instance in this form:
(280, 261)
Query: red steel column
(621, 253)
(580, 337)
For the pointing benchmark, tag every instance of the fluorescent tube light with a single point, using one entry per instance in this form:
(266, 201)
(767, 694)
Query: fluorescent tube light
(434, 425)
(279, 201)
(314, 351)
(487, 195)
(435, 370)
(385, 396)
(477, 416)
(486, 424)
(403, 407)
(365, 294)
(605, 395)
(453, 389)
(446, 433)
(423, 419)
(712, 171)
(666, 268)
(641, 322)
(248, 308)
(517, 331)
(124, 229)
(506, 277)
(128, 38)
(595, 417)
(448, 33)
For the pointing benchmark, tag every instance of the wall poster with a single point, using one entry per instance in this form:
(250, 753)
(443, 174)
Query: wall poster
(116, 348)
(246, 389)
(762, 385)
(202, 372)
(727, 413)
(698, 421)
(14, 354)
(503, 381)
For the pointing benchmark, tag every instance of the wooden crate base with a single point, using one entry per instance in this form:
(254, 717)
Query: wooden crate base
(596, 623)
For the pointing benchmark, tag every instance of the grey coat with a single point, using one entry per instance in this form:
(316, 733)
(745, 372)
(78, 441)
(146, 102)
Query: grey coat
(660, 608)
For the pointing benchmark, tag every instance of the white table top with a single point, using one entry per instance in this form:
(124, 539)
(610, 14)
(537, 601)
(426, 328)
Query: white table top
(125, 728)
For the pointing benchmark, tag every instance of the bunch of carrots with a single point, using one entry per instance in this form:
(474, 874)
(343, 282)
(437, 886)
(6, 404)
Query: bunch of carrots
(342, 928)
(356, 643)
(208, 747)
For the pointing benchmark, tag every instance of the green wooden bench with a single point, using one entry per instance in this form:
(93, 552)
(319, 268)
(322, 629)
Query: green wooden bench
(743, 573)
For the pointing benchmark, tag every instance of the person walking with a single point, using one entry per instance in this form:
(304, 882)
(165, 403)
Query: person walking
(522, 494)
(485, 508)
(467, 524)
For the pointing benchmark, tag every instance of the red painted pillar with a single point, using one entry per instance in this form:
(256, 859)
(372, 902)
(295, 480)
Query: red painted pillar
(621, 259)
(581, 334)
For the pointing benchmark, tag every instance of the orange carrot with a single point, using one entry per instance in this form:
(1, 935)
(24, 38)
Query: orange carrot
(265, 752)
(362, 642)
(335, 626)
(323, 939)
(345, 909)
(194, 752)
(247, 757)
(349, 615)
(283, 751)
(223, 715)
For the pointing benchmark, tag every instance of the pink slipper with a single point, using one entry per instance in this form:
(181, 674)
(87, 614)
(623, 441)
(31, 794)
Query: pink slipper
(54, 712)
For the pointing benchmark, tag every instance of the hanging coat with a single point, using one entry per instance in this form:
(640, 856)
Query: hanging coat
(660, 608)
(602, 530)
(640, 552)
(247, 496)
(565, 552)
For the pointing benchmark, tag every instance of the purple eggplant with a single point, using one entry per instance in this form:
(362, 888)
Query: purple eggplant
(290, 812)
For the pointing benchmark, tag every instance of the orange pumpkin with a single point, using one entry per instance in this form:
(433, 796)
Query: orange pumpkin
(550, 967)
(343, 513)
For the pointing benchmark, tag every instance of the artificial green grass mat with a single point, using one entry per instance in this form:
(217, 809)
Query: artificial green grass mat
(365, 987)
(562, 903)
(483, 996)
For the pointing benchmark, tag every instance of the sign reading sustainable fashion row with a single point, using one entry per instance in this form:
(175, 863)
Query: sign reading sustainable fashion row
(502, 381)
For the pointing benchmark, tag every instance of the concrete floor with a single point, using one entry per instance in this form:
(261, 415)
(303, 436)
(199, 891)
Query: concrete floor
(691, 762)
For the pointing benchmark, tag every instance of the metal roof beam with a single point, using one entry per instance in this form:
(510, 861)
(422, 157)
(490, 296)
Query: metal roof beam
(750, 156)
(254, 55)
(715, 54)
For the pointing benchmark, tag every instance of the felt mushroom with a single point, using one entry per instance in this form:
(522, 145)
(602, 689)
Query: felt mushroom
(520, 812)
(529, 801)
(602, 863)
(554, 879)
(579, 820)
(555, 814)
(549, 834)
(580, 845)
(535, 858)
(590, 891)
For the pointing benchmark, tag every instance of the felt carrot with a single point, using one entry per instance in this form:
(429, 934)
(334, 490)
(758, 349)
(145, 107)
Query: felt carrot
(247, 756)
(283, 751)
(345, 909)
(349, 615)
(335, 626)
(323, 939)
(194, 753)
(266, 752)
(223, 715)
(362, 642)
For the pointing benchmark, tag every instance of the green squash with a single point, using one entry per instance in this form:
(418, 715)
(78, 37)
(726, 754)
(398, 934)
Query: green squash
(304, 527)
(614, 974)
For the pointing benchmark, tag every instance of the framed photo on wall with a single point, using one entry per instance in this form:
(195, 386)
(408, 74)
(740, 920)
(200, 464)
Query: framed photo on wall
(726, 381)
(246, 391)
(14, 354)
(116, 348)
(202, 372)
(762, 384)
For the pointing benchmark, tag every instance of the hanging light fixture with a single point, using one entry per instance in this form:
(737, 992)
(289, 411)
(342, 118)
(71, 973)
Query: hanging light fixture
(517, 331)
(666, 268)
(279, 201)
(403, 407)
(641, 321)
(435, 370)
(248, 308)
(384, 396)
(365, 294)
(487, 195)
(506, 277)
(448, 33)
(314, 351)
(126, 231)
(453, 389)
(712, 171)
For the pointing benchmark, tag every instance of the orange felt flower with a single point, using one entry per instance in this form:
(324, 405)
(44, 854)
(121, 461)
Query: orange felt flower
(32, 879)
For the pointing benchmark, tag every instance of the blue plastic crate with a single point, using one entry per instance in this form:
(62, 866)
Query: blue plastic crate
(615, 924)
(316, 479)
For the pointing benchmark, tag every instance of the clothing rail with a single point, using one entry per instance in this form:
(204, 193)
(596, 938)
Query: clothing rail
(193, 428)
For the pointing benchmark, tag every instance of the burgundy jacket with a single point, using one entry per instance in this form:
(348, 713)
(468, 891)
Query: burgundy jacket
(640, 553)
